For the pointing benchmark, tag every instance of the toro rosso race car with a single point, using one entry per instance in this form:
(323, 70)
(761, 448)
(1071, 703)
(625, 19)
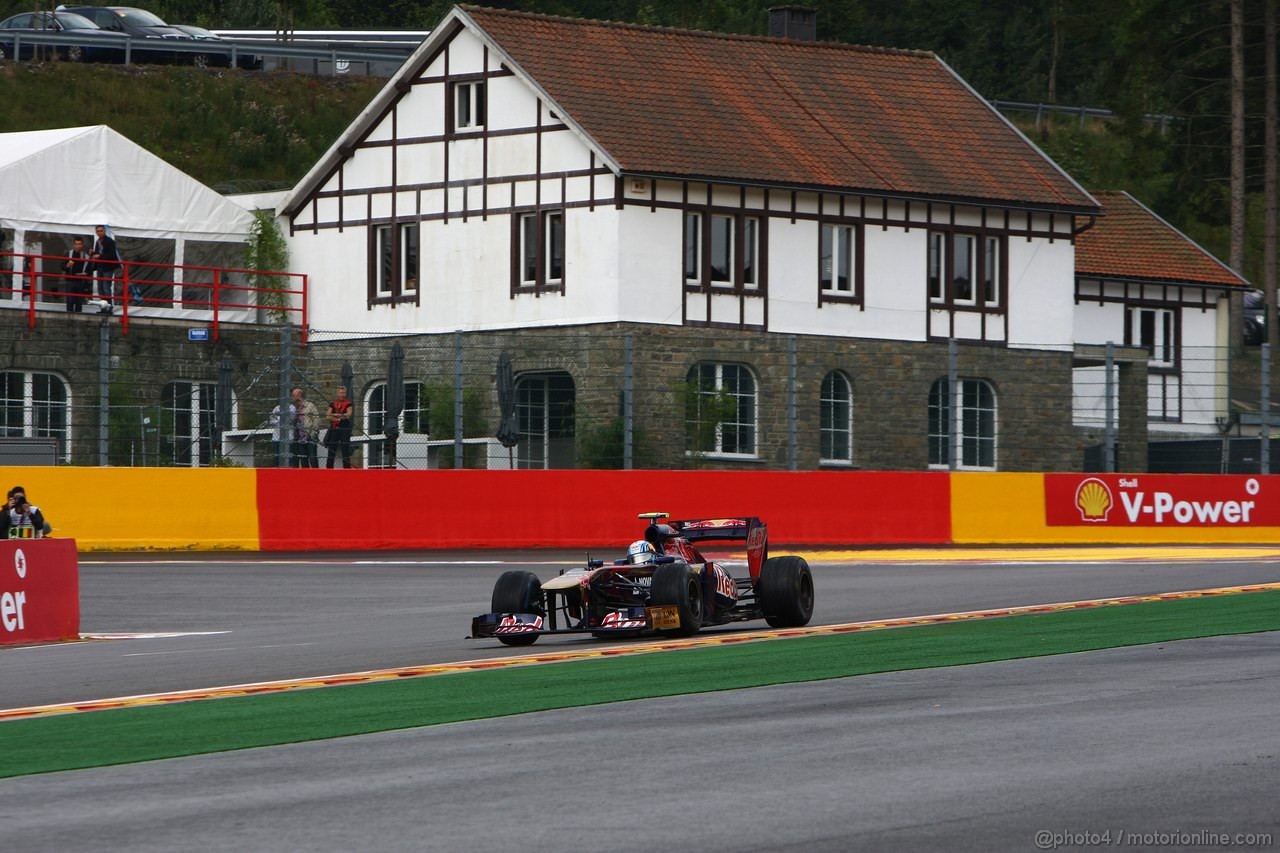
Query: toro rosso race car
(662, 585)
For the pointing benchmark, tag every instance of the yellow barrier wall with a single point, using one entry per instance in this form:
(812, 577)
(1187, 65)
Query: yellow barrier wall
(1009, 509)
(106, 509)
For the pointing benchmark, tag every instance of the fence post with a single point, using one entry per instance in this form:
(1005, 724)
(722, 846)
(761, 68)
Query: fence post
(104, 393)
(792, 450)
(458, 460)
(1264, 406)
(1109, 436)
(953, 398)
(283, 432)
(628, 412)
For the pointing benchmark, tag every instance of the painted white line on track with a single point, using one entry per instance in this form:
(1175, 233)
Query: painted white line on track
(214, 649)
(161, 635)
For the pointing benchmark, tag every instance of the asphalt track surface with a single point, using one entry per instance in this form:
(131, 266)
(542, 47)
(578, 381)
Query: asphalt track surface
(1179, 737)
(1172, 738)
(320, 616)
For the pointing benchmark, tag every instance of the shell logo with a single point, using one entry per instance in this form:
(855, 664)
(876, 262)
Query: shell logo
(1093, 499)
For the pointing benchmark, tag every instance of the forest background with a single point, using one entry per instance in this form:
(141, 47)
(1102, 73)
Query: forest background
(1163, 67)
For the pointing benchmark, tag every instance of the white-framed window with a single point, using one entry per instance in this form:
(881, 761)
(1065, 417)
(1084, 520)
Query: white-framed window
(36, 405)
(693, 247)
(469, 105)
(413, 418)
(545, 417)
(720, 411)
(1155, 329)
(189, 422)
(750, 252)
(972, 405)
(991, 270)
(835, 259)
(540, 258)
(397, 267)
(723, 250)
(836, 419)
(965, 269)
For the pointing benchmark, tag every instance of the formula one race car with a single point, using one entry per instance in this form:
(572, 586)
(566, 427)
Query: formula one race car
(663, 585)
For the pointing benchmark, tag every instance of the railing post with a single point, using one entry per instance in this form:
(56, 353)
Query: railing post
(628, 402)
(305, 326)
(1109, 435)
(1264, 406)
(953, 406)
(458, 461)
(31, 291)
(284, 428)
(793, 454)
(104, 393)
(124, 297)
(217, 293)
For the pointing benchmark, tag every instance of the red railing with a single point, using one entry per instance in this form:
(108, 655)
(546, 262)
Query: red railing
(45, 287)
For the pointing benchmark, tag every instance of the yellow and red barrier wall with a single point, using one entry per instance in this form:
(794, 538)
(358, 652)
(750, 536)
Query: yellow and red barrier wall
(285, 509)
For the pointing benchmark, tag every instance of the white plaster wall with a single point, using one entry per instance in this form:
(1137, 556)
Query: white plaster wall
(1202, 365)
(1041, 306)
(651, 275)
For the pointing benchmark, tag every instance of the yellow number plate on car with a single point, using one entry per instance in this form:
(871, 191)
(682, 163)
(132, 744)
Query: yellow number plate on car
(667, 616)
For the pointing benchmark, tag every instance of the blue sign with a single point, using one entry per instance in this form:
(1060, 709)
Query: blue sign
(197, 334)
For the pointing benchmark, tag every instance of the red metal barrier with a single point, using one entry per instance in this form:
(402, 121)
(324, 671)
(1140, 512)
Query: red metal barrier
(300, 509)
(39, 590)
(48, 291)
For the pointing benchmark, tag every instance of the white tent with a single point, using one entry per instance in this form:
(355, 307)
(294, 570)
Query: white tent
(60, 184)
(74, 178)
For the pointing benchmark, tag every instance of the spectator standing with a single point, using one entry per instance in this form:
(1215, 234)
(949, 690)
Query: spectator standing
(76, 267)
(307, 454)
(106, 266)
(338, 438)
(284, 428)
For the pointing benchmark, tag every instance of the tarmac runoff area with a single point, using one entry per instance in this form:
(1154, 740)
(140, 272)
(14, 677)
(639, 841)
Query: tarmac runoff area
(1176, 737)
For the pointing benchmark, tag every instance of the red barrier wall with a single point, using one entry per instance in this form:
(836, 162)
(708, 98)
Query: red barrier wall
(39, 590)
(302, 509)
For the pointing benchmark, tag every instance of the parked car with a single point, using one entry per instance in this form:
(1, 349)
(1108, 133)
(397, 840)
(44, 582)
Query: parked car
(1255, 318)
(68, 23)
(246, 61)
(143, 26)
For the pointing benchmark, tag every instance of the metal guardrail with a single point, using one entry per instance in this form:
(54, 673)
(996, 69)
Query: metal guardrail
(1084, 113)
(233, 50)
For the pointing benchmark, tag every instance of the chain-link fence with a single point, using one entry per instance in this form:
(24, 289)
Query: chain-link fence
(620, 396)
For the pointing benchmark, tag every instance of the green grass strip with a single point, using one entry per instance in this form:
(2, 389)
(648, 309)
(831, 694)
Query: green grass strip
(100, 738)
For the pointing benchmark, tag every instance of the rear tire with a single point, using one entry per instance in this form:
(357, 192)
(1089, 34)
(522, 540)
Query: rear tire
(673, 585)
(517, 592)
(75, 53)
(786, 592)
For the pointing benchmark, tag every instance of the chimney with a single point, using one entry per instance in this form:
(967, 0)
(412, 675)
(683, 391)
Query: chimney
(793, 22)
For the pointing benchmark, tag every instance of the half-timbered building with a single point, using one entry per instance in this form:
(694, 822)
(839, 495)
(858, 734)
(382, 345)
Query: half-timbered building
(524, 171)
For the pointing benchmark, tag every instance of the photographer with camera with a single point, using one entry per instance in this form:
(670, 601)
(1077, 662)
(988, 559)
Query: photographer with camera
(20, 519)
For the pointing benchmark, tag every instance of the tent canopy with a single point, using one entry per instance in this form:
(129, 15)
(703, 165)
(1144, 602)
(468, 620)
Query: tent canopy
(71, 179)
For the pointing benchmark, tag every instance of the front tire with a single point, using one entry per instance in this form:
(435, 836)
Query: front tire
(517, 592)
(75, 53)
(673, 585)
(786, 592)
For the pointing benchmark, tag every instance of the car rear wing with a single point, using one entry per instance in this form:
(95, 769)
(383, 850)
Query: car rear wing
(750, 530)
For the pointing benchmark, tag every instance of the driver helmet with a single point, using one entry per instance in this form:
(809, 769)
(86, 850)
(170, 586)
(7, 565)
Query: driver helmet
(641, 552)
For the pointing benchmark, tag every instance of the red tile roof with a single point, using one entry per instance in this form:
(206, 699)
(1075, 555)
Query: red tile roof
(1133, 242)
(790, 113)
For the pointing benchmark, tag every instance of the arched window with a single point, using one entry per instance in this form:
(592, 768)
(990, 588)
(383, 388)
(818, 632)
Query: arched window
(545, 406)
(836, 422)
(972, 404)
(720, 410)
(36, 405)
(189, 422)
(413, 419)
